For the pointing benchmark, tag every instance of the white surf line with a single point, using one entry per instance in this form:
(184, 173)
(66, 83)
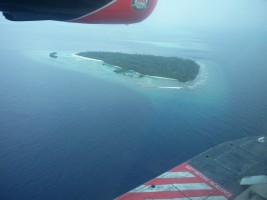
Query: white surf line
(176, 175)
(171, 187)
(201, 77)
(177, 88)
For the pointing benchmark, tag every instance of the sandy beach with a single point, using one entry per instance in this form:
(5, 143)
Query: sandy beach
(92, 59)
(159, 77)
(85, 58)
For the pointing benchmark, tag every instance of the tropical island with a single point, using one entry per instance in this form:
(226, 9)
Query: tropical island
(53, 55)
(137, 65)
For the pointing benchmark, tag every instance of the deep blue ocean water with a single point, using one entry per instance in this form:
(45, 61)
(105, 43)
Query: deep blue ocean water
(70, 134)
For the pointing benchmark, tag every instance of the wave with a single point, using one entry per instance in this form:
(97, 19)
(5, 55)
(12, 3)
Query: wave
(175, 88)
(202, 77)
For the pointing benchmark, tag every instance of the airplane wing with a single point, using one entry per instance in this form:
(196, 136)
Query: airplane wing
(232, 170)
(79, 11)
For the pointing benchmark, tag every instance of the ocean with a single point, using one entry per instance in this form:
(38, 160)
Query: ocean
(70, 129)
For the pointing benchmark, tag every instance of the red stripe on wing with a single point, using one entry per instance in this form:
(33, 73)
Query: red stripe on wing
(118, 12)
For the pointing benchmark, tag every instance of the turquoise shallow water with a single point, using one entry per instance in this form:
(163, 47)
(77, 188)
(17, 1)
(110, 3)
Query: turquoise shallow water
(71, 129)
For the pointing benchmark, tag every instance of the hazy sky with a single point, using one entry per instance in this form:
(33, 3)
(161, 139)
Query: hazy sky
(212, 13)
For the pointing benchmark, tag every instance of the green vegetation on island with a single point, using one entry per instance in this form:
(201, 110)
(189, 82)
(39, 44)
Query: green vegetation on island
(169, 67)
